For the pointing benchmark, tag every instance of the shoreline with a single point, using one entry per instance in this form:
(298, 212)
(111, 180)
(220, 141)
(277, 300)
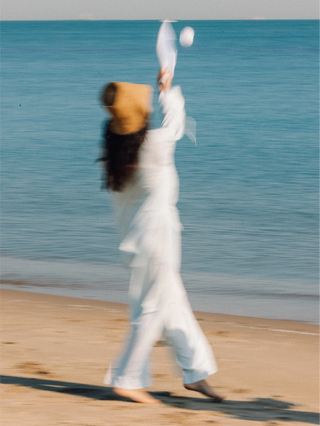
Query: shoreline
(274, 324)
(55, 351)
(118, 296)
(240, 295)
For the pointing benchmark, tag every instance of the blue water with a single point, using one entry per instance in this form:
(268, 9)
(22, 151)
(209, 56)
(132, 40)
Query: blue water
(248, 190)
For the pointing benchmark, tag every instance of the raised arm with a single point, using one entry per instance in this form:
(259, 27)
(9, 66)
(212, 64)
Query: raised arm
(172, 105)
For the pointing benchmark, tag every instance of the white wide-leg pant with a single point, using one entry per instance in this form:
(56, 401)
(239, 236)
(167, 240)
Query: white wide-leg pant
(175, 319)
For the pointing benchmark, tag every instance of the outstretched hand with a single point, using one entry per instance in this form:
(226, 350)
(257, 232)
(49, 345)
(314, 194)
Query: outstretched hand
(164, 80)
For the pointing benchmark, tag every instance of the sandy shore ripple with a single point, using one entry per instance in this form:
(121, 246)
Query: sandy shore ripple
(55, 352)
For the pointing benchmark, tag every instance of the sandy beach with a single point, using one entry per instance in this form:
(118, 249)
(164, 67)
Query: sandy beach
(55, 352)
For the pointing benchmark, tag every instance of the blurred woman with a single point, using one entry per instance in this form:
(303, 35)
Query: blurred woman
(141, 174)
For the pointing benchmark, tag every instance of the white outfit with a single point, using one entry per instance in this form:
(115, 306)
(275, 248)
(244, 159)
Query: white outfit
(149, 222)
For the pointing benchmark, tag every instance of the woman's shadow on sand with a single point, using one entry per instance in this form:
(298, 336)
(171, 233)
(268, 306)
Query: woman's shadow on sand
(260, 409)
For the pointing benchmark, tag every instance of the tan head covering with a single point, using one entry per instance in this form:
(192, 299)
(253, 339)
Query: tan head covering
(129, 104)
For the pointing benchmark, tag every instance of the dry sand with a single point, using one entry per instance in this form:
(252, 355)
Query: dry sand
(55, 352)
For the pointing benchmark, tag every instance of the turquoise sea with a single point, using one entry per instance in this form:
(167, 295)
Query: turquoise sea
(249, 190)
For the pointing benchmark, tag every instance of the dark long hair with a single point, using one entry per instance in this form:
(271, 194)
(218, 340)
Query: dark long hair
(120, 157)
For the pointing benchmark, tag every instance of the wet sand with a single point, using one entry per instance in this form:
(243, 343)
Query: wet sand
(55, 352)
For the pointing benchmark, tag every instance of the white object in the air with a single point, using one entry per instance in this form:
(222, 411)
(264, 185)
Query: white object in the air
(166, 47)
(186, 36)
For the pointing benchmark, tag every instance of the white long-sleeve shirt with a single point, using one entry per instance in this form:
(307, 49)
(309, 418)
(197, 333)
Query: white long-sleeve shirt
(152, 196)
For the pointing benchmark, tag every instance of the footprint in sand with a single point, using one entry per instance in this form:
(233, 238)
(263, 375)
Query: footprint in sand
(241, 391)
(32, 368)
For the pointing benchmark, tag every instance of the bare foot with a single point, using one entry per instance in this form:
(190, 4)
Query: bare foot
(137, 395)
(203, 387)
